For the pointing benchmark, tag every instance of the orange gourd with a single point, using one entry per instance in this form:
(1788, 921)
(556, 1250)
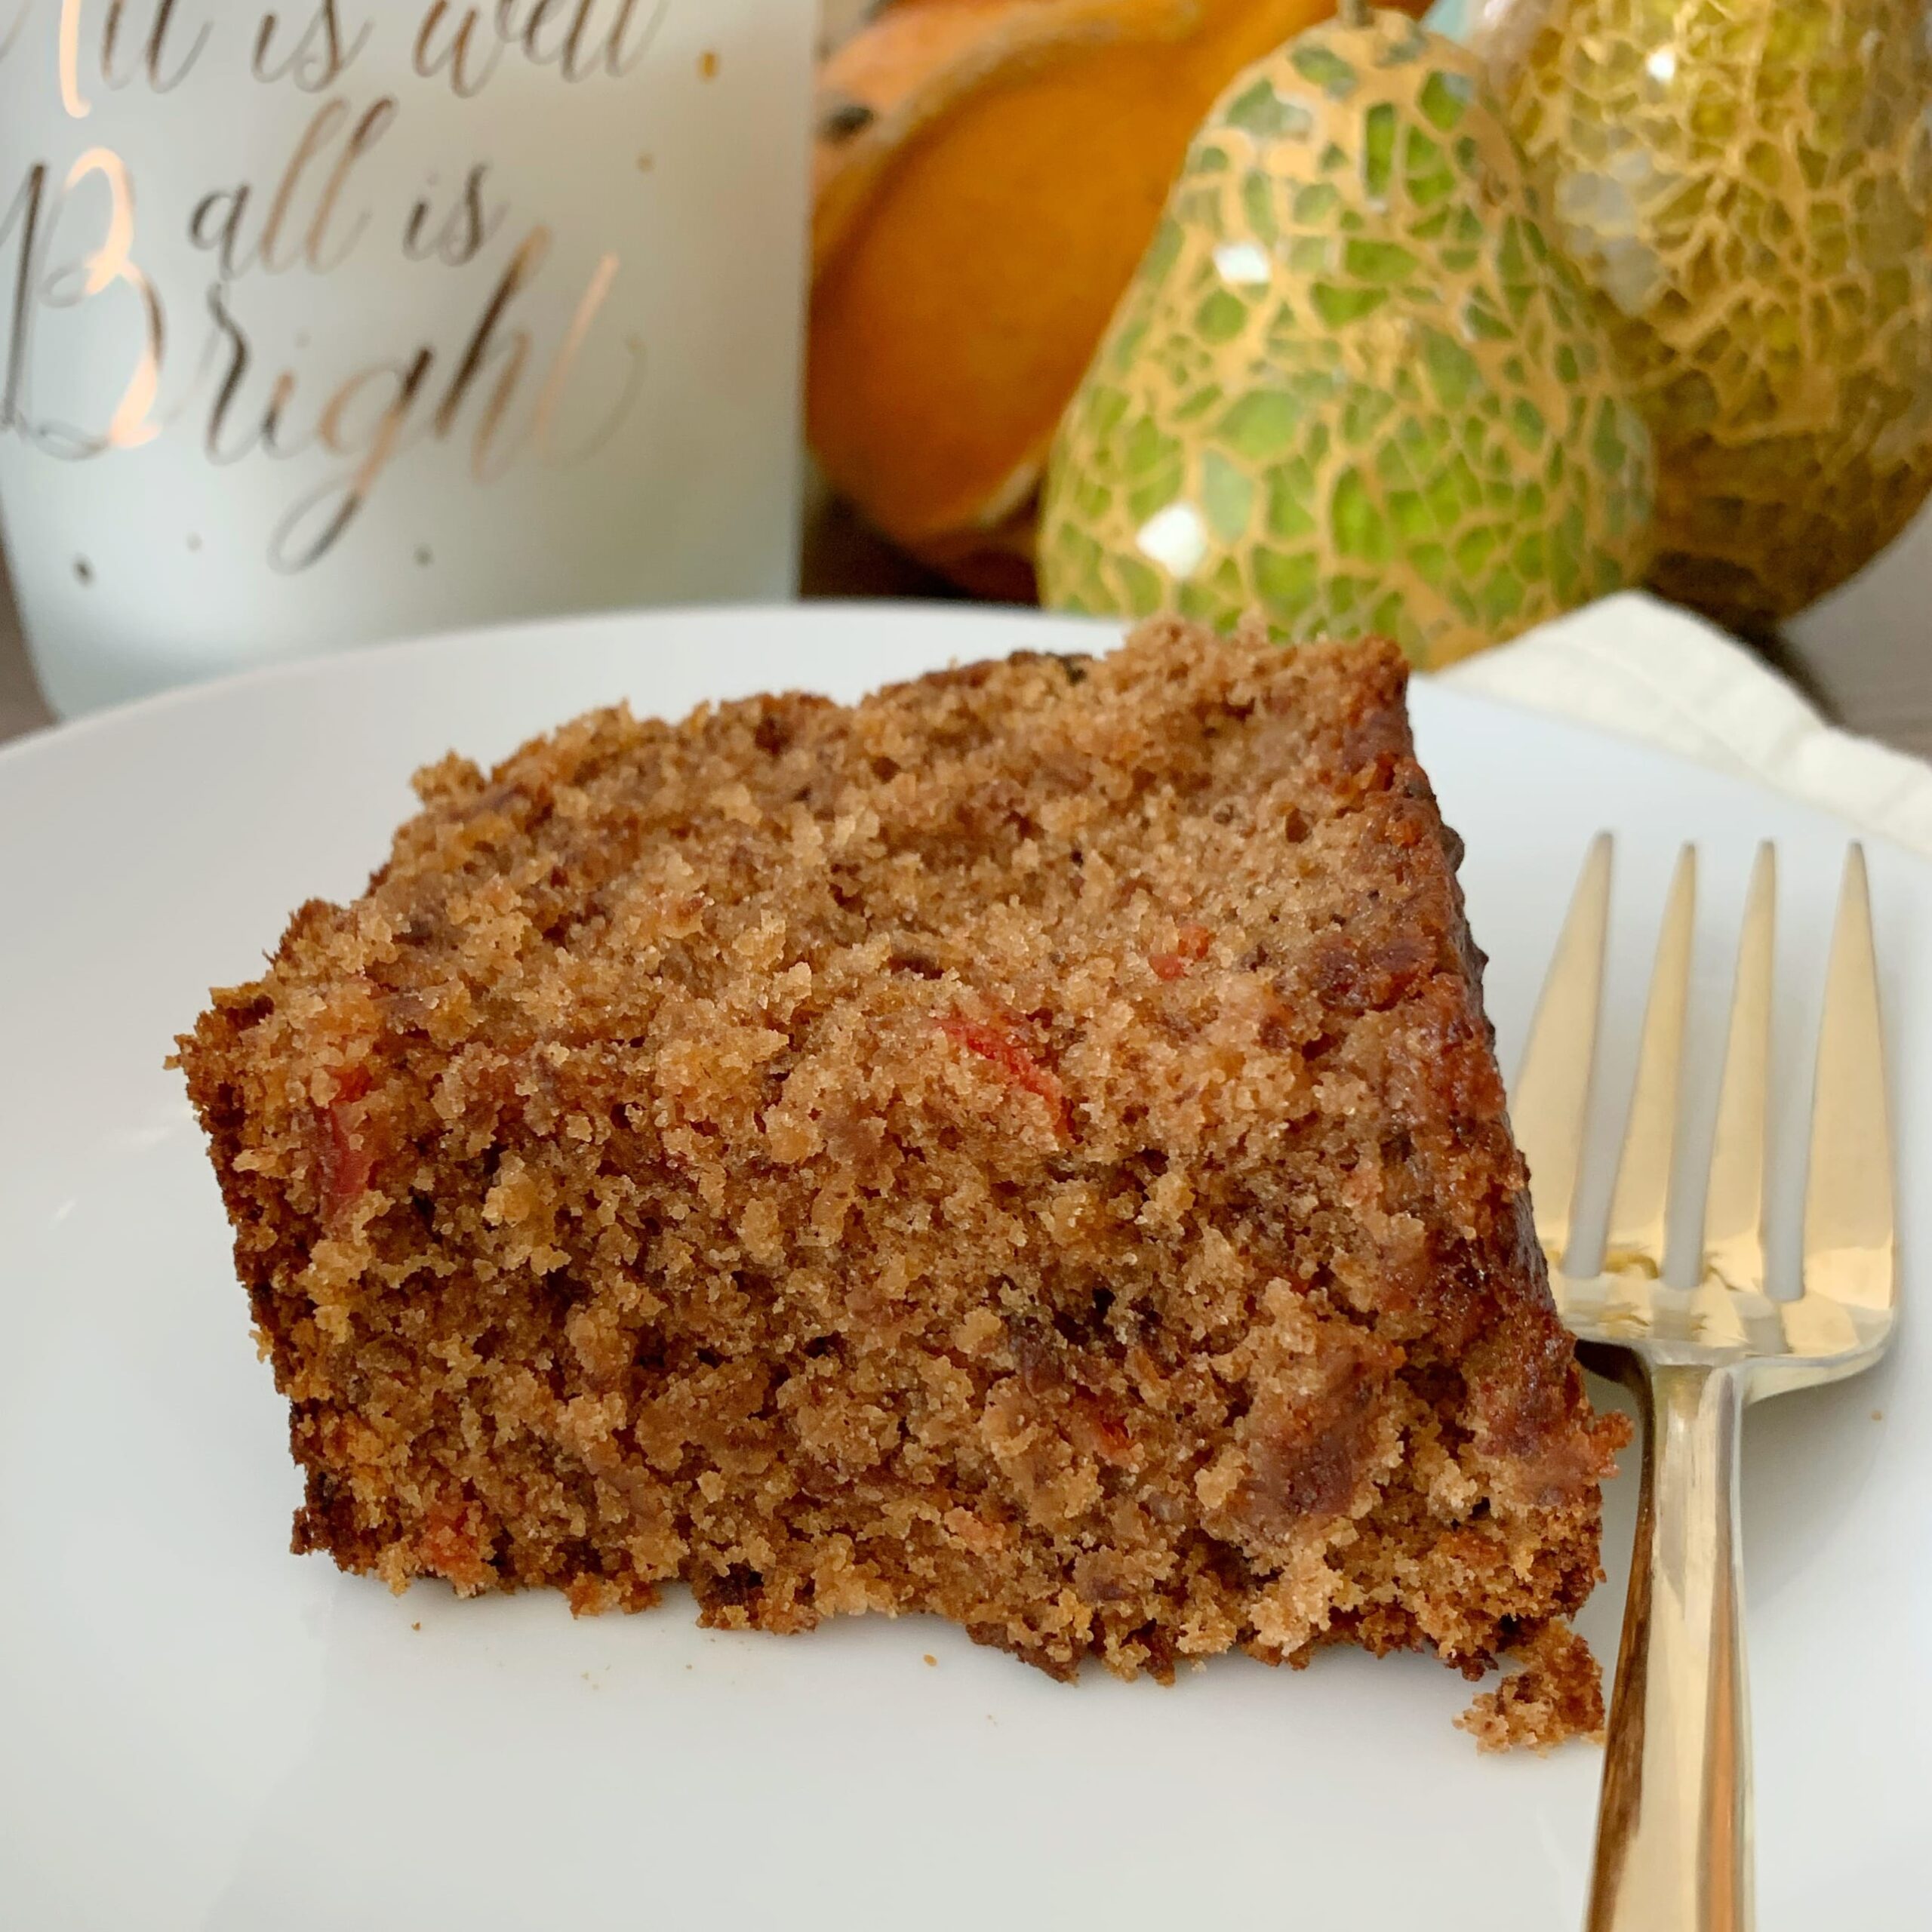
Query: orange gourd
(988, 175)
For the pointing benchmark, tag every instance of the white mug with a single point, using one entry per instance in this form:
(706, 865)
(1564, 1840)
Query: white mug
(327, 321)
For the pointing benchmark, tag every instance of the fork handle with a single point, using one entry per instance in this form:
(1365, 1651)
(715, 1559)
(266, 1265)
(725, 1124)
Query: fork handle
(1674, 1823)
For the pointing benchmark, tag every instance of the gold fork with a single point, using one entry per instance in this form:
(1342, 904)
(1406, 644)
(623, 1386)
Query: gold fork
(1674, 1851)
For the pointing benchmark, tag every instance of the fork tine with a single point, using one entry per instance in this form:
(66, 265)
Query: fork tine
(1850, 1235)
(1640, 1206)
(1550, 1108)
(1734, 1201)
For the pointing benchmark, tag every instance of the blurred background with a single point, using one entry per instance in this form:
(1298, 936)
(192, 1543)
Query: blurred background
(1089, 323)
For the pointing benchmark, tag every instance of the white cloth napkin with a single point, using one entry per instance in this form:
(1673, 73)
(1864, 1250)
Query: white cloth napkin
(1635, 664)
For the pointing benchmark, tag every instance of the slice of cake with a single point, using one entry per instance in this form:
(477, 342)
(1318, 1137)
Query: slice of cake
(1027, 1147)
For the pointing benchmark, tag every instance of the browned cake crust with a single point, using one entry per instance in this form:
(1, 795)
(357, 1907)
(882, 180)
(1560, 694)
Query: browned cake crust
(1027, 1147)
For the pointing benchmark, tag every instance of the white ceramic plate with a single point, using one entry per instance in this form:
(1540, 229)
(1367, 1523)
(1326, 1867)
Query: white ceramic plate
(197, 1729)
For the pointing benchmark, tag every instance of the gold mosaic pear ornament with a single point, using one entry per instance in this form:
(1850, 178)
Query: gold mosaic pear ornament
(1747, 186)
(1353, 387)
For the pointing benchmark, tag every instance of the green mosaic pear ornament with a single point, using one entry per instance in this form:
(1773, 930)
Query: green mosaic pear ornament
(1353, 387)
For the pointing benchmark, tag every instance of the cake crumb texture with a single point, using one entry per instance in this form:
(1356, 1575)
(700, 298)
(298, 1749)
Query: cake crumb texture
(1027, 1147)
(1556, 1693)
